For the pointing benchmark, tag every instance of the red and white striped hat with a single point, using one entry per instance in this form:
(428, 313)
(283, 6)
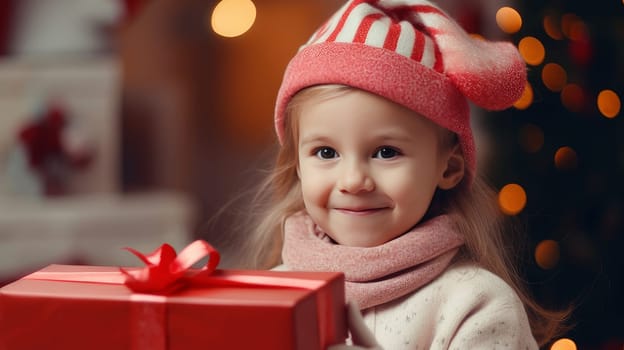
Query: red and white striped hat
(410, 52)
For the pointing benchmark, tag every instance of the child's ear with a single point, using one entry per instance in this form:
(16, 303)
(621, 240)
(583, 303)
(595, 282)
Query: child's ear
(455, 169)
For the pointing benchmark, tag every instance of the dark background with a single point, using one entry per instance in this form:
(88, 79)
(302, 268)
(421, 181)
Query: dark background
(581, 207)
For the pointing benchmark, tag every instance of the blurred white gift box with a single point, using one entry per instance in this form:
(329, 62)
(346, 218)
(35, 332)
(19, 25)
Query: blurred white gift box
(89, 220)
(90, 229)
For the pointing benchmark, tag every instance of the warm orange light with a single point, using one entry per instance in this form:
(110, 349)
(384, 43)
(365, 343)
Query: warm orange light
(573, 97)
(565, 158)
(578, 30)
(567, 22)
(477, 36)
(554, 77)
(512, 199)
(564, 343)
(531, 50)
(573, 27)
(531, 138)
(547, 254)
(526, 99)
(508, 20)
(552, 29)
(609, 103)
(231, 18)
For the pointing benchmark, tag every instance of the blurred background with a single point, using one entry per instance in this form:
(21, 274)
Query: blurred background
(135, 122)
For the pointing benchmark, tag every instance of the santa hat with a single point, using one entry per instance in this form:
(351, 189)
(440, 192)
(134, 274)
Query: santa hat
(410, 52)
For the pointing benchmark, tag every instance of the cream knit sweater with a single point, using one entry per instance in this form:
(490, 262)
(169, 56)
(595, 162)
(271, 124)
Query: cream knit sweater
(465, 308)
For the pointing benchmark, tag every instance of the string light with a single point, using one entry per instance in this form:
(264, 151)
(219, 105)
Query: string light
(526, 99)
(567, 22)
(554, 77)
(232, 18)
(563, 344)
(578, 30)
(477, 36)
(608, 103)
(508, 20)
(512, 199)
(573, 97)
(565, 158)
(547, 254)
(551, 28)
(532, 50)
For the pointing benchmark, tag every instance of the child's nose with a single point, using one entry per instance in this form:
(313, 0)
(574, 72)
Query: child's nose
(355, 178)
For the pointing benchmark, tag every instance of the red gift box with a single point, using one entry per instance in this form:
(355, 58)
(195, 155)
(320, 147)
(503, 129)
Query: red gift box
(89, 307)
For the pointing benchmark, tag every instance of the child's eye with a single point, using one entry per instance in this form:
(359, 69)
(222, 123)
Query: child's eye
(326, 153)
(386, 153)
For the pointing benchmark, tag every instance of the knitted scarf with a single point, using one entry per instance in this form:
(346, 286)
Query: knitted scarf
(374, 275)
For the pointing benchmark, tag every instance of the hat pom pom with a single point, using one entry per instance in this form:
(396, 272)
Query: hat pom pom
(490, 74)
(493, 79)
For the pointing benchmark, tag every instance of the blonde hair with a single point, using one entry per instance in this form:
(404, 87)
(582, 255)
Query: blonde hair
(279, 196)
(473, 208)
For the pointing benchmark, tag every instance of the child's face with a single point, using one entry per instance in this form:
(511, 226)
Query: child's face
(368, 167)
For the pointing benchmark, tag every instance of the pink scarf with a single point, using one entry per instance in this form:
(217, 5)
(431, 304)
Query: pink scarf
(378, 274)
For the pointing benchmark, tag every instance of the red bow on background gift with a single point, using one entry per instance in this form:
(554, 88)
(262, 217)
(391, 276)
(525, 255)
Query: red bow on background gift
(167, 272)
(45, 141)
(42, 137)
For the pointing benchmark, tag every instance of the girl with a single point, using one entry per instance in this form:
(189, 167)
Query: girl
(376, 178)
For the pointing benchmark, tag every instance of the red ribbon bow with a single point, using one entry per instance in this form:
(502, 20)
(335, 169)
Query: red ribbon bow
(167, 271)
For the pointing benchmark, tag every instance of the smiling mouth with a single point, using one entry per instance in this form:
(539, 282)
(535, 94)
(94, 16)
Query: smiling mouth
(360, 212)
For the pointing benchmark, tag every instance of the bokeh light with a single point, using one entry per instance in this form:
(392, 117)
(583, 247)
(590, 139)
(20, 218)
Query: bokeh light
(547, 254)
(563, 344)
(554, 77)
(526, 99)
(512, 199)
(552, 29)
(578, 30)
(531, 138)
(566, 158)
(477, 36)
(609, 103)
(231, 18)
(573, 27)
(573, 97)
(568, 21)
(532, 50)
(508, 20)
